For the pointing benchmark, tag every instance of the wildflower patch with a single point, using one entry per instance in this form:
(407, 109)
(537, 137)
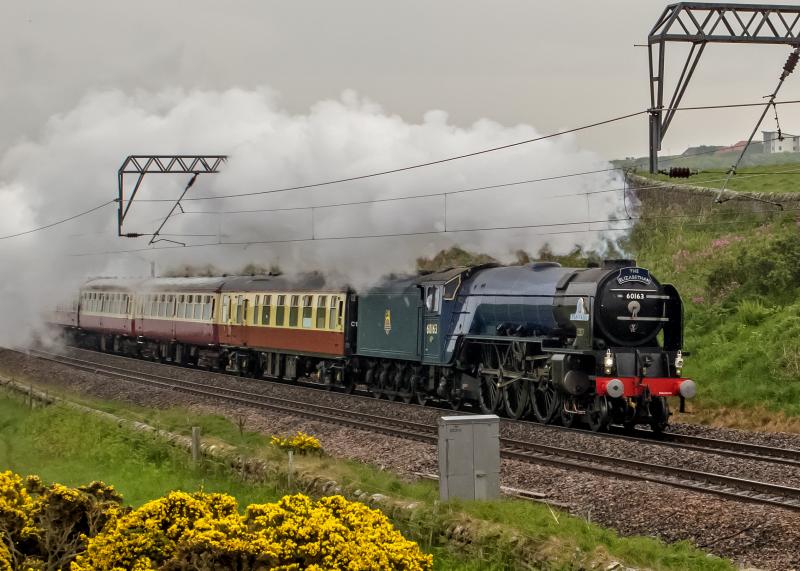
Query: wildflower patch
(301, 443)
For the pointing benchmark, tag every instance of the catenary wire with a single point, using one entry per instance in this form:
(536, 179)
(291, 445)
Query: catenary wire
(436, 232)
(455, 192)
(56, 223)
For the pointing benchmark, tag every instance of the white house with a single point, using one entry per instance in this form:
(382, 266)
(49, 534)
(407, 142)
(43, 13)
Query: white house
(787, 144)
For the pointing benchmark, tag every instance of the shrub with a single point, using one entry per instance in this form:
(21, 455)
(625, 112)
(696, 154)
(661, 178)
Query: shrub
(5, 558)
(205, 531)
(48, 525)
(301, 443)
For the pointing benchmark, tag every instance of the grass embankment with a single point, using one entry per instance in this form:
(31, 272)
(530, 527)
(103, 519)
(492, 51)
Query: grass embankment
(764, 178)
(737, 267)
(73, 448)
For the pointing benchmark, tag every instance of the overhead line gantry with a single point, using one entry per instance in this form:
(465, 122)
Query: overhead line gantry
(701, 23)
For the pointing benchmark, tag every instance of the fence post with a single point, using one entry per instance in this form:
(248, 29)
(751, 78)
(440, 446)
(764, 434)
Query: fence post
(196, 444)
(291, 466)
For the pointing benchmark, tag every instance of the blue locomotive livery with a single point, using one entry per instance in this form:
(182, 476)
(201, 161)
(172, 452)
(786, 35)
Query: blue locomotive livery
(599, 345)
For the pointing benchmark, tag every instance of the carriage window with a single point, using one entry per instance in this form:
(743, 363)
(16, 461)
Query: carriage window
(255, 309)
(280, 311)
(294, 309)
(226, 308)
(307, 311)
(197, 308)
(239, 309)
(321, 301)
(181, 306)
(208, 308)
(162, 306)
(171, 306)
(265, 310)
(332, 313)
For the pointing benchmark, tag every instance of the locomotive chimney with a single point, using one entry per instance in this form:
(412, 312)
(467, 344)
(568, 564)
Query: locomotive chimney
(617, 264)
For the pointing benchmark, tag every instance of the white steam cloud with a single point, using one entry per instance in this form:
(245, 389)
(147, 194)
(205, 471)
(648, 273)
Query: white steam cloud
(72, 165)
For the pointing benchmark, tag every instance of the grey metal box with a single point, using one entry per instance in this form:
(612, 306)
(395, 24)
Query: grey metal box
(469, 457)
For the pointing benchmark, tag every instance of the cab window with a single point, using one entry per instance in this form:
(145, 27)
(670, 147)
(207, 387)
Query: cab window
(433, 298)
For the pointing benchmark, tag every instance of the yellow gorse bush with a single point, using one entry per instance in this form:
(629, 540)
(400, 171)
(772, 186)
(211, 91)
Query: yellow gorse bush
(45, 526)
(5, 558)
(85, 528)
(301, 442)
(191, 531)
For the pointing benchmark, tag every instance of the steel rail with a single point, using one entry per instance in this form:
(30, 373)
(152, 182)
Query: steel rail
(728, 448)
(529, 452)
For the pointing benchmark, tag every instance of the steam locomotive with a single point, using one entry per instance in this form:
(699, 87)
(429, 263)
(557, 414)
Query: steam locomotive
(600, 345)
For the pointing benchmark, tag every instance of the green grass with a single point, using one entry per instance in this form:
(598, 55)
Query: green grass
(740, 282)
(72, 448)
(63, 445)
(764, 178)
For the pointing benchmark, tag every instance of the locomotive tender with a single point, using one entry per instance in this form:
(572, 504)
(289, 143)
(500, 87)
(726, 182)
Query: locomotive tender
(601, 344)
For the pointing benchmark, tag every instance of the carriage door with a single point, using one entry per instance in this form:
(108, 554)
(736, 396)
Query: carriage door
(432, 333)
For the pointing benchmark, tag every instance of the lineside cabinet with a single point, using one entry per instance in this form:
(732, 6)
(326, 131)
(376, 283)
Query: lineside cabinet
(469, 457)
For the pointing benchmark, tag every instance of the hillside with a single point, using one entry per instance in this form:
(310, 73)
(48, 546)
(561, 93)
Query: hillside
(737, 266)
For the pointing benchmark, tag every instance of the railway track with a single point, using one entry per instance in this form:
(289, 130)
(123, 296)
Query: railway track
(728, 448)
(730, 487)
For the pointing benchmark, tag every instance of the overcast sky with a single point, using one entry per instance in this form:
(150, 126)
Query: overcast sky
(547, 64)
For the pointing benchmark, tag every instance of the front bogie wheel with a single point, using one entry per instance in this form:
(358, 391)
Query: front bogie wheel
(598, 414)
(659, 414)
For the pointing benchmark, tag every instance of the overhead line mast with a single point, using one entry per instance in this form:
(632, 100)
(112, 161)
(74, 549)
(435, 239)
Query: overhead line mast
(700, 23)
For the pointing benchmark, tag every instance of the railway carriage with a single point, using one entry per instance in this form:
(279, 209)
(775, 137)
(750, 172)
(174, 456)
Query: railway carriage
(106, 312)
(285, 329)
